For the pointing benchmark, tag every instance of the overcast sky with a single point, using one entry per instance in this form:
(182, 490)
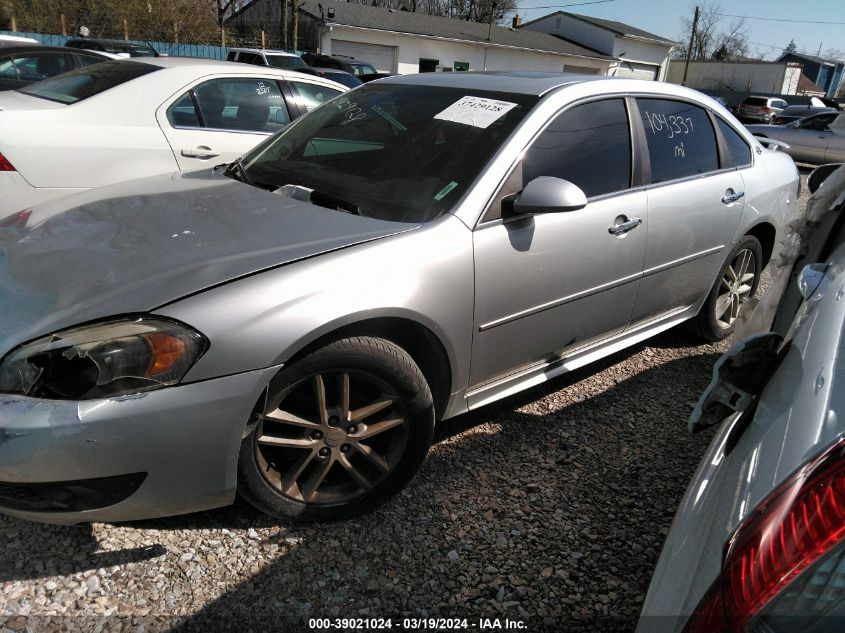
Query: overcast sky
(766, 37)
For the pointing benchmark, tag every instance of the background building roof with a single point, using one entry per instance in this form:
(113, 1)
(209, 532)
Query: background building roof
(382, 19)
(617, 27)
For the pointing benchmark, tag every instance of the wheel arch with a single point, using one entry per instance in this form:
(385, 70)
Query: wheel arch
(766, 235)
(426, 348)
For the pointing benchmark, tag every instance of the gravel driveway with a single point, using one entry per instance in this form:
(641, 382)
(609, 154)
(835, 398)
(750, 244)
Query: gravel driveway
(549, 508)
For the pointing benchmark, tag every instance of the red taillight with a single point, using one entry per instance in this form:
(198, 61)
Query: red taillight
(5, 165)
(16, 219)
(789, 531)
(765, 109)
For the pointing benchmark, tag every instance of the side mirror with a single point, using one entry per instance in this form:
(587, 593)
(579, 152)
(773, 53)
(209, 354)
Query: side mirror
(547, 194)
(819, 174)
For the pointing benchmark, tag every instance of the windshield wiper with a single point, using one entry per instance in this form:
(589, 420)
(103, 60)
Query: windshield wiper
(318, 198)
(236, 169)
(332, 202)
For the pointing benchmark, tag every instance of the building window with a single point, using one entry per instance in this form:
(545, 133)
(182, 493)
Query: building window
(461, 65)
(428, 65)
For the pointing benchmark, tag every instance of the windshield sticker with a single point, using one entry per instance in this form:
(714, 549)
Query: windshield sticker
(261, 88)
(445, 191)
(476, 111)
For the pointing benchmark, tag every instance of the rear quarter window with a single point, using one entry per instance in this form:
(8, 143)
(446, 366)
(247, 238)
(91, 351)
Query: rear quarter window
(739, 149)
(680, 139)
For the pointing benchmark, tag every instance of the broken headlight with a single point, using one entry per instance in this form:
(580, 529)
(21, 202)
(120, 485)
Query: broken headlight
(102, 359)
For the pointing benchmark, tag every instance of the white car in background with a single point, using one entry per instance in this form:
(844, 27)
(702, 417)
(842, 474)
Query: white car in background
(127, 119)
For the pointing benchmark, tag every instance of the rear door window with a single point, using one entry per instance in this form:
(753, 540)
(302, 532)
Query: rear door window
(588, 145)
(680, 139)
(250, 105)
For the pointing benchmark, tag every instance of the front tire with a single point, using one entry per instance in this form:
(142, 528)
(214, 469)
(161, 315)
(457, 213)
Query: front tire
(343, 429)
(736, 284)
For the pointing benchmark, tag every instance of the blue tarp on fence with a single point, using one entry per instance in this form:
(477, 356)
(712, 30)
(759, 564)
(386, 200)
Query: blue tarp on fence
(168, 48)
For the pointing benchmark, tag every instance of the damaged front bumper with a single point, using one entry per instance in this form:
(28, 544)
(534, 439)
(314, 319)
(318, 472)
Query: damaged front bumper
(152, 454)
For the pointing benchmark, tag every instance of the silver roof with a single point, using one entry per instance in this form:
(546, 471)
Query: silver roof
(519, 82)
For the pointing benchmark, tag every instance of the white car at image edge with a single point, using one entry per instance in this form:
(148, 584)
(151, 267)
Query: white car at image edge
(127, 119)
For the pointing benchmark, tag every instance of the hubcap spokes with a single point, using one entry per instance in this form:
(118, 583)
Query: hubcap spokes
(335, 443)
(735, 288)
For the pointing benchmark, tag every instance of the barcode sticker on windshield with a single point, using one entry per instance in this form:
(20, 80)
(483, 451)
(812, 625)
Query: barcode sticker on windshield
(476, 111)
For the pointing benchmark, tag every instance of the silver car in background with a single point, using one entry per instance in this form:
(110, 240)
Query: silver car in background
(292, 326)
(757, 543)
(816, 139)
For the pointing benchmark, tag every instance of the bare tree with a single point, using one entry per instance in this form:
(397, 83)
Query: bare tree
(835, 54)
(711, 41)
(470, 10)
(732, 42)
(193, 20)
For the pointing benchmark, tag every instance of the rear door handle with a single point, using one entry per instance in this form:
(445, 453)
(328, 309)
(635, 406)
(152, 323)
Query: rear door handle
(732, 196)
(623, 227)
(202, 152)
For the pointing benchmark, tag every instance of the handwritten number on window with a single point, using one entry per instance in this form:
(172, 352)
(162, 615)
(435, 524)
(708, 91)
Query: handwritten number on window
(671, 125)
(349, 110)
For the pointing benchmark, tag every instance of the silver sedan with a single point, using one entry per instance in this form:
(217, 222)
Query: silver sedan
(291, 325)
(816, 139)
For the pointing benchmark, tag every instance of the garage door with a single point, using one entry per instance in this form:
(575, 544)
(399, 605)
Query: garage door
(636, 71)
(383, 58)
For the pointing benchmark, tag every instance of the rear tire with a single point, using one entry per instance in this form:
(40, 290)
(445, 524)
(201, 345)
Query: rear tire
(343, 429)
(737, 282)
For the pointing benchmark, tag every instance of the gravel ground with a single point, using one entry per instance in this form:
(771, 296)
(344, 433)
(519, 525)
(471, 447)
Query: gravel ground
(549, 508)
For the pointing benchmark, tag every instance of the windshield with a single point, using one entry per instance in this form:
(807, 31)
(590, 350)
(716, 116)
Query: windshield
(288, 62)
(88, 81)
(394, 152)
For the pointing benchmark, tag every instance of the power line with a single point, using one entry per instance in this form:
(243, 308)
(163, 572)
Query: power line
(752, 17)
(574, 4)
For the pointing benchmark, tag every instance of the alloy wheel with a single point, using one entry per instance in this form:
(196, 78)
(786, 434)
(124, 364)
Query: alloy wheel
(735, 287)
(331, 437)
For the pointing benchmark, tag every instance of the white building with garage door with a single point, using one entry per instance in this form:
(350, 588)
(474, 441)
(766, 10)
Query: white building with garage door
(403, 42)
(636, 53)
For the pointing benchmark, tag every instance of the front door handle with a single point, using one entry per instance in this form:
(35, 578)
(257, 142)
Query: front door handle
(623, 227)
(202, 152)
(732, 196)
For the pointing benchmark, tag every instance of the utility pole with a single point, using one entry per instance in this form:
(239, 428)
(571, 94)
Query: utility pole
(492, 17)
(689, 50)
(284, 4)
(294, 23)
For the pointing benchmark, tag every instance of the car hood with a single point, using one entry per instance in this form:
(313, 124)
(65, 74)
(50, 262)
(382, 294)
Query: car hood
(136, 246)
